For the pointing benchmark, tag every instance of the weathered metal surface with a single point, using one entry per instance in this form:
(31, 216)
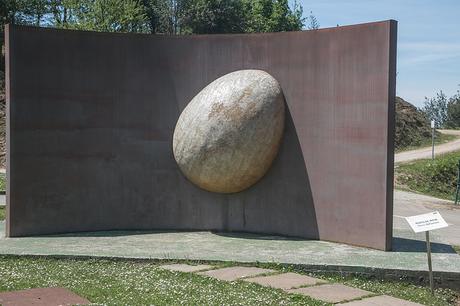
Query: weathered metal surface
(91, 120)
(227, 137)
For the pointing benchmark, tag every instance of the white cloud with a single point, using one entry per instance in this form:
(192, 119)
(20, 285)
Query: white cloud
(422, 52)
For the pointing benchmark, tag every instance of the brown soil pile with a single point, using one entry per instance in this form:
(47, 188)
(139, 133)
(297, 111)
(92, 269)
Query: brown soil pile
(412, 125)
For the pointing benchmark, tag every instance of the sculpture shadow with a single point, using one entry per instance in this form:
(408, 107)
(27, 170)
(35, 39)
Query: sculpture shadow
(281, 203)
(419, 246)
(252, 236)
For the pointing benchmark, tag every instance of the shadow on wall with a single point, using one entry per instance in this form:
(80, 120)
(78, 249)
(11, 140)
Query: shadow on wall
(281, 203)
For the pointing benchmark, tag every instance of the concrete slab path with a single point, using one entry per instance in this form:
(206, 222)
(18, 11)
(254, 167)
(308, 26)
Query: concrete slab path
(186, 267)
(332, 293)
(41, 297)
(317, 289)
(234, 273)
(409, 253)
(382, 300)
(285, 280)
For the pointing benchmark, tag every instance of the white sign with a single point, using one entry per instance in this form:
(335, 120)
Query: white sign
(426, 222)
(432, 124)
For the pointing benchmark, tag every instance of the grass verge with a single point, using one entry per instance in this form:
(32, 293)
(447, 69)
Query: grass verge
(440, 139)
(2, 182)
(456, 248)
(437, 178)
(112, 282)
(2, 213)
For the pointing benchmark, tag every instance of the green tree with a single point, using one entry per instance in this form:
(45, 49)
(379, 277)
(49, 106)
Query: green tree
(273, 16)
(157, 14)
(453, 111)
(32, 11)
(103, 15)
(166, 16)
(313, 23)
(436, 109)
(214, 16)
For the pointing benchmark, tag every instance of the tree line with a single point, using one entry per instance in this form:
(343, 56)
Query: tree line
(159, 16)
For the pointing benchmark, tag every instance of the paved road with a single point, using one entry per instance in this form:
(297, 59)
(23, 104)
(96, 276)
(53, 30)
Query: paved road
(409, 204)
(424, 153)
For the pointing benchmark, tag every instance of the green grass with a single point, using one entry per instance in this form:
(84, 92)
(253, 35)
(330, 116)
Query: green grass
(2, 213)
(136, 283)
(440, 139)
(456, 248)
(2, 181)
(111, 282)
(437, 178)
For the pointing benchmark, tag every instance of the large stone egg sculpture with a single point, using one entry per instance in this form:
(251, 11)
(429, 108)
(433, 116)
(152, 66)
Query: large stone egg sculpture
(227, 137)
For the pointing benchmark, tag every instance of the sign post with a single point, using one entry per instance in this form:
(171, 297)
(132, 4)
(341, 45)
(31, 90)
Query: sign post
(426, 223)
(432, 139)
(430, 268)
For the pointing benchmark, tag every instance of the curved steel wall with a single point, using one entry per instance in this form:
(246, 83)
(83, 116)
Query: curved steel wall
(91, 117)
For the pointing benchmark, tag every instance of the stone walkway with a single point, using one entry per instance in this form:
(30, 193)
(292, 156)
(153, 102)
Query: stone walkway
(294, 283)
(41, 297)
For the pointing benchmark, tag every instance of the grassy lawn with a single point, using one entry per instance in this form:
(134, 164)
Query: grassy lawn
(136, 283)
(456, 248)
(141, 283)
(2, 181)
(440, 139)
(437, 178)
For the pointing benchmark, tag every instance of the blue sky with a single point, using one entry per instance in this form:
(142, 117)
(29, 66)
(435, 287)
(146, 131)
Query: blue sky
(428, 39)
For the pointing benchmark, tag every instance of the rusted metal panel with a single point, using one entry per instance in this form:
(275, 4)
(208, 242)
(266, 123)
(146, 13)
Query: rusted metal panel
(92, 117)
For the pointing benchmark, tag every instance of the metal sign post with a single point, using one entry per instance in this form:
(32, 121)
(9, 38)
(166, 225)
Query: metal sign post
(426, 223)
(430, 267)
(432, 139)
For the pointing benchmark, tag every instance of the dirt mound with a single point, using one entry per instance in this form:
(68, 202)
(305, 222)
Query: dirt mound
(412, 125)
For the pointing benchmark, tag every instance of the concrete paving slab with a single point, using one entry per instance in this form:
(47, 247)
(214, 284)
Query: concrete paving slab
(234, 273)
(333, 293)
(285, 280)
(382, 300)
(410, 204)
(186, 267)
(41, 297)
(410, 254)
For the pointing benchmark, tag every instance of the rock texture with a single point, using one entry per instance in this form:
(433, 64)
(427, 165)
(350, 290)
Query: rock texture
(227, 137)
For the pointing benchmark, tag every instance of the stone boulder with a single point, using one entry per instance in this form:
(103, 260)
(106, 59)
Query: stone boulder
(227, 137)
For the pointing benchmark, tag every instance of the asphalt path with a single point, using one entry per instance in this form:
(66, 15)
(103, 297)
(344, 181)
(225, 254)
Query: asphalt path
(425, 153)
